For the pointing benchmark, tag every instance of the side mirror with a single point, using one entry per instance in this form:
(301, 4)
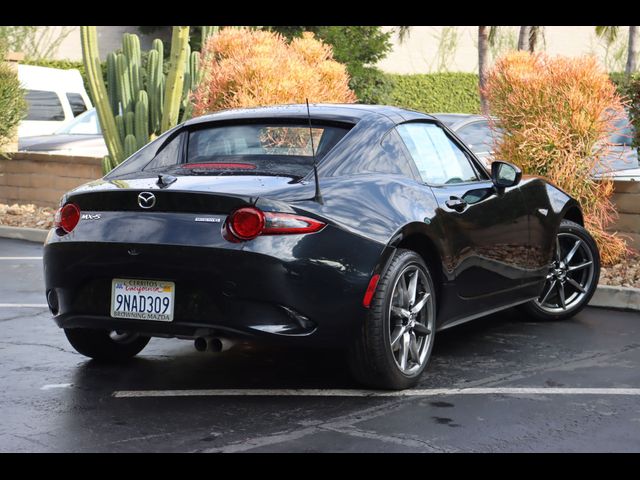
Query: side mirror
(505, 174)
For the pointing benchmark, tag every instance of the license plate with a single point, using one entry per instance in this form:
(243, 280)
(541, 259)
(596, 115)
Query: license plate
(142, 299)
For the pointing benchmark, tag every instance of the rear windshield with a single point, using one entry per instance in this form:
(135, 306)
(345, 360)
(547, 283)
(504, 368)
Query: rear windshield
(275, 149)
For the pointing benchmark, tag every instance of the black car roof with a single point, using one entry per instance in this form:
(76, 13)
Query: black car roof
(350, 113)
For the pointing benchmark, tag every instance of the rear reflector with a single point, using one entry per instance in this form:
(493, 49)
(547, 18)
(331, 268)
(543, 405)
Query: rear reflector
(371, 290)
(249, 222)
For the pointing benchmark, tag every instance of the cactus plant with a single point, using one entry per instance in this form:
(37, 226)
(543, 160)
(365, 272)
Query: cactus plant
(140, 100)
(99, 93)
(175, 79)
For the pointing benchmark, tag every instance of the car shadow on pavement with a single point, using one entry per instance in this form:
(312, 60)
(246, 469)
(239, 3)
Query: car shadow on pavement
(247, 365)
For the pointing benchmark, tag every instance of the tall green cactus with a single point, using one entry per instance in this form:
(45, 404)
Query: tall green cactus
(175, 79)
(89, 39)
(141, 101)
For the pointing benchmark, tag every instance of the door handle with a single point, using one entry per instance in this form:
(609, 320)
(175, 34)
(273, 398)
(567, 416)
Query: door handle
(456, 203)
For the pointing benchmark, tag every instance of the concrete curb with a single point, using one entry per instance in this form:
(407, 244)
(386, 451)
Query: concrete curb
(625, 298)
(23, 233)
(606, 296)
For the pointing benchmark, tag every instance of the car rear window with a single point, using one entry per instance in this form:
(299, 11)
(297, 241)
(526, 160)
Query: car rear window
(264, 148)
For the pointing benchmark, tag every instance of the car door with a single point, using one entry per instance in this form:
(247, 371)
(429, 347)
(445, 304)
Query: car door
(485, 229)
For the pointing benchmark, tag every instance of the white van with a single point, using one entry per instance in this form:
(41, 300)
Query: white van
(55, 97)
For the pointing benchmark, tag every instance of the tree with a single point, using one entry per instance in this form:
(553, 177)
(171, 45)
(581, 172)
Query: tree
(610, 34)
(483, 50)
(359, 48)
(523, 37)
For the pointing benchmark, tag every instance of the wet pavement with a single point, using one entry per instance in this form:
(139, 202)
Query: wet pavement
(55, 400)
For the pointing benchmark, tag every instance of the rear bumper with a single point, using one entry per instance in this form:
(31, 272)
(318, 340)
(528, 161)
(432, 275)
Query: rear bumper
(306, 289)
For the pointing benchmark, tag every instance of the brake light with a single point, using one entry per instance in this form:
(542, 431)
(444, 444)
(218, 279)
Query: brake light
(246, 223)
(249, 222)
(67, 217)
(221, 166)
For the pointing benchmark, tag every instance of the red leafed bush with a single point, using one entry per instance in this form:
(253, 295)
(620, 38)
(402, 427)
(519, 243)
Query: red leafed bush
(247, 68)
(556, 114)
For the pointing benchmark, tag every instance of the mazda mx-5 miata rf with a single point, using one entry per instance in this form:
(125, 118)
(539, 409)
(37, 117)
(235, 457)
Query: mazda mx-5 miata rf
(364, 228)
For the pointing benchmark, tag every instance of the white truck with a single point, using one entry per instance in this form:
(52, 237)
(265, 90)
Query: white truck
(55, 97)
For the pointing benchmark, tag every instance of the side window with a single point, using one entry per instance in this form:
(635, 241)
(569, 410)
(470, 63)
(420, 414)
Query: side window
(439, 160)
(77, 103)
(477, 136)
(168, 156)
(142, 159)
(44, 106)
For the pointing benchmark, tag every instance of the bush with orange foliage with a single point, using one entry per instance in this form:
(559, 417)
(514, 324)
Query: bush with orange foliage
(556, 114)
(247, 68)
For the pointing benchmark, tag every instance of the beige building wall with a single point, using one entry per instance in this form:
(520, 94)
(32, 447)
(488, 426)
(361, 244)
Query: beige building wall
(426, 49)
(109, 39)
(455, 48)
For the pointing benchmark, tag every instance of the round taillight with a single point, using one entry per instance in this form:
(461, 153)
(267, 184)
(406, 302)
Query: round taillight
(246, 223)
(67, 217)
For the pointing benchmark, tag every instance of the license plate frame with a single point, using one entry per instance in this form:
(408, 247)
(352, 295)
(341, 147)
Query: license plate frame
(145, 295)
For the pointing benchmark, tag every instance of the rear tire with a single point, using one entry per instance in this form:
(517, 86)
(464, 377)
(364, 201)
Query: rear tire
(392, 347)
(560, 297)
(104, 345)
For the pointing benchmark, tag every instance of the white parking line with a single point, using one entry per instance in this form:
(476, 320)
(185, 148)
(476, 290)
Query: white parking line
(373, 393)
(20, 258)
(52, 386)
(23, 305)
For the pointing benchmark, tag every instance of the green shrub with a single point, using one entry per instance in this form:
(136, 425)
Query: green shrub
(437, 92)
(371, 85)
(13, 106)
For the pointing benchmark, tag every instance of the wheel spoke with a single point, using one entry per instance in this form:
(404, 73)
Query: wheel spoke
(404, 351)
(546, 295)
(561, 295)
(420, 304)
(402, 286)
(579, 267)
(578, 287)
(572, 252)
(396, 335)
(558, 254)
(413, 287)
(413, 348)
(421, 329)
(401, 312)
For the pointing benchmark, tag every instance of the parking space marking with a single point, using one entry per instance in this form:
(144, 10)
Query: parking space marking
(20, 258)
(23, 305)
(52, 386)
(373, 393)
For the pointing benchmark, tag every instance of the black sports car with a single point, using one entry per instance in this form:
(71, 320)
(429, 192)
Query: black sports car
(222, 228)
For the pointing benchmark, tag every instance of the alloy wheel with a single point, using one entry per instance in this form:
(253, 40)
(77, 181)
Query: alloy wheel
(570, 277)
(411, 320)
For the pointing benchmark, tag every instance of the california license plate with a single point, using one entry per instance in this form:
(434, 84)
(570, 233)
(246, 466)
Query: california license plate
(142, 299)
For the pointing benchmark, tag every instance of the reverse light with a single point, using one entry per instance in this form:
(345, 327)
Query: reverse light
(249, 222)
(67, 217)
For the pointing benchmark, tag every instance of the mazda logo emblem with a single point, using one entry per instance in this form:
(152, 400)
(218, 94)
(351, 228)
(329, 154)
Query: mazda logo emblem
(146, 200)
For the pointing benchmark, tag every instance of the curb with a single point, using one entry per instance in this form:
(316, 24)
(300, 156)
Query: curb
(605, 296)
(23, 233)
(624, 298)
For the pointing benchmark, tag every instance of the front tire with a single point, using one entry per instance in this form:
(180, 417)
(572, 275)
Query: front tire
(573, 275)
(394, 344)
(105, 345)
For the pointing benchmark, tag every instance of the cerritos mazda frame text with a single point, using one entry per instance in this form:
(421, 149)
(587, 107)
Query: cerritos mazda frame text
(368, 228)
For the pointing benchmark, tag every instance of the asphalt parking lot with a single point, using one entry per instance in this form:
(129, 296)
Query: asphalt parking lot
(174, 399)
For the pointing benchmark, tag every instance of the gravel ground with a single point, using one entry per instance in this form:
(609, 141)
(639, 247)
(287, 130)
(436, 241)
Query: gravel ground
(626, 274)
(26, 216)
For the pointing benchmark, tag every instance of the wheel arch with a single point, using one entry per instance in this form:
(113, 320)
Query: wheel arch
(573, 212)
(419, 238)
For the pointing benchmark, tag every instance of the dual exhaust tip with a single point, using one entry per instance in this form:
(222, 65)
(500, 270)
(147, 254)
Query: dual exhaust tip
(210, 344)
